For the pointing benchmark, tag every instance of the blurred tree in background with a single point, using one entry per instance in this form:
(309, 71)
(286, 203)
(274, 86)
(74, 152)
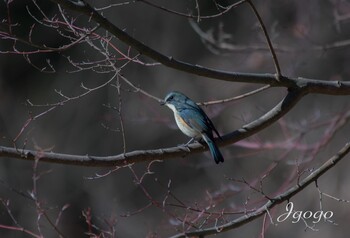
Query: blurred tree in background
(81, 84)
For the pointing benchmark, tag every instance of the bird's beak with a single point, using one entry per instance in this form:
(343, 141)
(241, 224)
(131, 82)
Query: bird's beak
(162, 103)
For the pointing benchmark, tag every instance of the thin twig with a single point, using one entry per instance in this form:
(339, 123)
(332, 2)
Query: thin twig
(164, 153)
(236, 97)
(262, 25)
(197, 17)
(285, 196)
(311, 85)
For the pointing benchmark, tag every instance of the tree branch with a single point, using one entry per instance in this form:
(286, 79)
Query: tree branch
(274, 201)
(315, 86)
(138, 156)
(263, 28)
(190, 15)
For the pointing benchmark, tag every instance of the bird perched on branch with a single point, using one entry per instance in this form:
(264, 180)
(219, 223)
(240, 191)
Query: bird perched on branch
(193, 121)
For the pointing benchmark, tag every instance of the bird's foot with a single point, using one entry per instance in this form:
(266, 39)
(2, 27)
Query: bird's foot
(187, 144)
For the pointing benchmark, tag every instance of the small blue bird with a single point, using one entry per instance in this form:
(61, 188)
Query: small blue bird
(193, 121)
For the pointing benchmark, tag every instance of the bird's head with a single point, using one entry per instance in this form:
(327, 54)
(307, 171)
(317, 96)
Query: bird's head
(174, 99)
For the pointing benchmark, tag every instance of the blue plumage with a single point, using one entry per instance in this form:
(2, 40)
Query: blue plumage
(193, 121)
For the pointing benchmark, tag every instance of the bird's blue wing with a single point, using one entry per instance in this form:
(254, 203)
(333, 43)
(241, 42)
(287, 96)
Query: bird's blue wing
(199, 121)
(196, 119)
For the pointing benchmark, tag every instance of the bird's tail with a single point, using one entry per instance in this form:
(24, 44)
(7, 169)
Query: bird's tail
(214, 150)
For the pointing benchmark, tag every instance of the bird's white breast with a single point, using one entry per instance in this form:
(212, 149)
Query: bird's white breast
(183, 125)
(185, 128)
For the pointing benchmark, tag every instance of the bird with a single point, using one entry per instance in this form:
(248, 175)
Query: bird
(193, 122)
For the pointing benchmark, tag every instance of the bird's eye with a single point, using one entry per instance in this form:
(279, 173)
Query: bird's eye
(170, 98)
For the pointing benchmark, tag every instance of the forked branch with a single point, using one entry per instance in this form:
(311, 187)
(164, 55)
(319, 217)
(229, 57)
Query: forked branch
(274, 201)
(137, 156)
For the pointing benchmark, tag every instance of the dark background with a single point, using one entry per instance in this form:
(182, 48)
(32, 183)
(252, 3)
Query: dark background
(76, 127)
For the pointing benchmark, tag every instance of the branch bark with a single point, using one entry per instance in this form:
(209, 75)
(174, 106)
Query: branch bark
(312, 85)
(274, 201)
(298, 87)
(138, 156)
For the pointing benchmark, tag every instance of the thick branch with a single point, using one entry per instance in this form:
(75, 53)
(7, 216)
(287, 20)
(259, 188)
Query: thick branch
(315, 86)
(159, 154)
(274, 201)
(122, 35)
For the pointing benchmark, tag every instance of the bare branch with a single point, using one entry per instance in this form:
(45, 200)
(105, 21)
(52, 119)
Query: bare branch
(197, 17)
(262, 25)
(220, 208)
(159, 154)
(236, 97)
(285, 196)
(312, 85)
